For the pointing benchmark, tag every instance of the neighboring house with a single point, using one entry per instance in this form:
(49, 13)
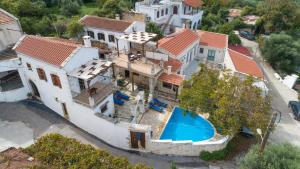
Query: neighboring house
(148, 68)
(242, 66)
(108, 31)
(11, 83)
(250, 19)
(241, 49)
(10, 29)
(213, 47)
(170, 14)
(233, 13)
(182, 45)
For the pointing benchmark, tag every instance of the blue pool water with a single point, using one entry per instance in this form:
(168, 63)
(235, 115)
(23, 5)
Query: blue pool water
(185, 126)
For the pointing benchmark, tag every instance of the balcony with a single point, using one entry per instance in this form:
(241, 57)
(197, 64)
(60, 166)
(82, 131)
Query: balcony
(192, 15)
(94, 95)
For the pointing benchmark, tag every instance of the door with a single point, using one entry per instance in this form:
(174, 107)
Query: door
(34, 89)
(127, 73)
(175, 10)
(138, 139)
(134, 141)
(64, 107)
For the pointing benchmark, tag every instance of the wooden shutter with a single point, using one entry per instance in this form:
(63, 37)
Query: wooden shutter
(134, 141)
(143, 140)
(41, 74)
(55, 80)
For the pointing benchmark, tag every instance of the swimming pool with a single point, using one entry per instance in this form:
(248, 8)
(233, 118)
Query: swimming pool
(184, 126)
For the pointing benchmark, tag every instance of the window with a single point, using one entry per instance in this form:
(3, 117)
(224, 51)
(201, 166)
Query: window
(104, 108)
(55, 80)
(81, 84)
(201, 50)
(91, 34)
(211, 55)
(29, 66)
(111, 38)
(162, 12)
(167, 11)
(157, 14)
(175, 10)
(101, 36)
(41, 74)
(167, 85)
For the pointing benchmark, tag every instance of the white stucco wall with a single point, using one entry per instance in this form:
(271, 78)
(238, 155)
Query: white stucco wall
(82, 56)
(16, 94)
(186, 148)
(9, 34)
(228, 64)
(81, 116)
(219, 57)
(135, 26)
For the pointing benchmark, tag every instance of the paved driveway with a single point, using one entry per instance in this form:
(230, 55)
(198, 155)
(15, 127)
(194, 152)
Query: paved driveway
(23, 122)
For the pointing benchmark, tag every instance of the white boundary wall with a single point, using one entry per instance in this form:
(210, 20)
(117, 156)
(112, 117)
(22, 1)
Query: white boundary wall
(186, 148)
(14, 95)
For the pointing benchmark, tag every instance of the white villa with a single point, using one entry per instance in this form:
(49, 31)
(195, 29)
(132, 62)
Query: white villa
(107, 31)
(171, 14)
(81, 82)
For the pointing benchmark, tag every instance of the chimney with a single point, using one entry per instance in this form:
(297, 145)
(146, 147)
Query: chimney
(161, 63)
(87, 41)
(169, 70)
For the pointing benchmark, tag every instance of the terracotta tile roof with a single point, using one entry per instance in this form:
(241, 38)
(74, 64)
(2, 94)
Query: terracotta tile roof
(5, 18)
(105, 23)
(234, 12)
(51, 50)
(176, 64)
(216, 40)
(245, 64)
(173, 78)
(240, 49)
(194, 3)
(177, 42)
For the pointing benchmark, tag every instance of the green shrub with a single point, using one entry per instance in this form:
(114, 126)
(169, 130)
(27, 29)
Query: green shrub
(275, 156)
(59, 152)
(217, 155)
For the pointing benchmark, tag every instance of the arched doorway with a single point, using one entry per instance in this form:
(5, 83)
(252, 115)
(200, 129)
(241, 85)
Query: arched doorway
(175, 10)
(34, 88)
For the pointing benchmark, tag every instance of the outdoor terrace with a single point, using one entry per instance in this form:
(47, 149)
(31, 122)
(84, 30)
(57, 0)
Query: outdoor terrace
(94, 95)
(7, 54)
(141, 65)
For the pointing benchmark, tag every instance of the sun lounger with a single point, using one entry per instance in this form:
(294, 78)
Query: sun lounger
(118, 101)
(155, 107)
(121, 95)
(159, 103)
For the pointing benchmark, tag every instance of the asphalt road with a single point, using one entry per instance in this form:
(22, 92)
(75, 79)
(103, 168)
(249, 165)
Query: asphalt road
(287, 129)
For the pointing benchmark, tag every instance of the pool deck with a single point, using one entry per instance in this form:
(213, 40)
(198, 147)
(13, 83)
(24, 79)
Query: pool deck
(156, 120)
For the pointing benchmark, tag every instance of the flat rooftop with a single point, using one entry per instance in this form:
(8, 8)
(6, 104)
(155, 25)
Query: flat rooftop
(101, 92)
(141, 66)
(7, 54)
(91, 69)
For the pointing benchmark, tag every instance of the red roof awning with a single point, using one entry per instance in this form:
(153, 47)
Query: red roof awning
(194, 3)
(174, 79)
